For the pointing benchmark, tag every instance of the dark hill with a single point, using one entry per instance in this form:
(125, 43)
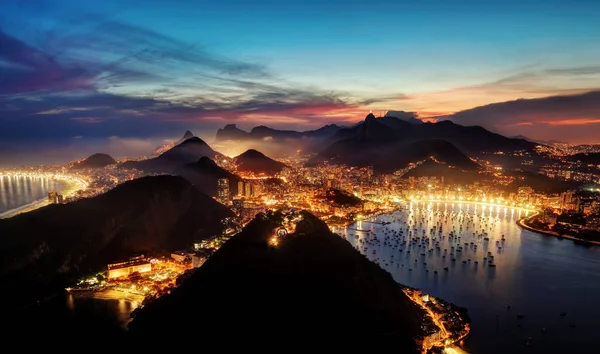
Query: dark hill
(189, 151)
(586, 158)
(430, 168)
(313, 287)
(187, 135)
(205, 173)
(341, 198)
(256, 162)
(95, 161)
(540, 182)
(45, 248)
(473, 139)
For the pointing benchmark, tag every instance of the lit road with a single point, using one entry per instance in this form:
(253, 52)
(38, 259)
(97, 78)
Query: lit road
(435, 317)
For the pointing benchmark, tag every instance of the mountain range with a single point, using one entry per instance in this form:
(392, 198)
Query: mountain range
(43, 250)
(389, 144)
(232, 132)
(312, 287)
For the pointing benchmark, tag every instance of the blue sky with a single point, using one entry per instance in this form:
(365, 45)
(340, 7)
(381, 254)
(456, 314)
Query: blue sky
(155, 68)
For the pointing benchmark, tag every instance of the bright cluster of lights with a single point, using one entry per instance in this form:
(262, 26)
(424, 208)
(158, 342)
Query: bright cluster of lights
(500, 202)
(81, 183)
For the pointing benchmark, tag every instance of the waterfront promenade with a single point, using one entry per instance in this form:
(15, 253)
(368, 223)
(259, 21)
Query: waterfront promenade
(522, 223)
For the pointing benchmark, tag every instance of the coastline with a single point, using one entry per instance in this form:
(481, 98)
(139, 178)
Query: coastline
(36, 204)
(521, 223)
(69, 189)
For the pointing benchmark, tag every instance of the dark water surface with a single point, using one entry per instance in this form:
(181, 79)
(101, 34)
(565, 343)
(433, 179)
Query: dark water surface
(539, 276)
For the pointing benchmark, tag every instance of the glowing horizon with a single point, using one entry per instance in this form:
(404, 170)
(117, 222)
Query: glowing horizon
(110, 68)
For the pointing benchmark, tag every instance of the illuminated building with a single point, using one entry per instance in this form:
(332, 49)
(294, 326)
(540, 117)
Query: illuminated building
(593, 223)
(238, 205)
(198, 260)
(241, 188)
(180, 256)
(567, 200)
(223, 190)
(523, 194)
(124, 269)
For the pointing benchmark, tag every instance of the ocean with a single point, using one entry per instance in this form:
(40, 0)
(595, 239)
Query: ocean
(19, 191)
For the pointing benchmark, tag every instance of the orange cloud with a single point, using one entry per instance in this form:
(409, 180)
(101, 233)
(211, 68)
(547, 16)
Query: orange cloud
(581, 121)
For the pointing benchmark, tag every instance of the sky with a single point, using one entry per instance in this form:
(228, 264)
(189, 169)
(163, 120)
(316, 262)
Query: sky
(137, 72)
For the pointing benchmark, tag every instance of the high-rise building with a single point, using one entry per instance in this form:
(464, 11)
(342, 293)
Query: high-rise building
(248, 189)
(223, 190)
(523, 194)
(567, 200)
(256, 190)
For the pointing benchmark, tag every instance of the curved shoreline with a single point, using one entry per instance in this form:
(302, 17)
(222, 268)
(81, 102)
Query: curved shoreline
(69, 189)
(521, 223)
(36, 204)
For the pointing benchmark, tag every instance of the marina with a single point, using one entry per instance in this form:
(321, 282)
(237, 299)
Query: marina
(517, 285)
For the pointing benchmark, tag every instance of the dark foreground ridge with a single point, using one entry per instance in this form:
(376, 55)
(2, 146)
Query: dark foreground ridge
(45, 250)
(312, 286)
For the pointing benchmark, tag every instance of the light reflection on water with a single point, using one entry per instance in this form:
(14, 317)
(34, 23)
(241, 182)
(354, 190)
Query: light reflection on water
(16, 191)
(539, 276)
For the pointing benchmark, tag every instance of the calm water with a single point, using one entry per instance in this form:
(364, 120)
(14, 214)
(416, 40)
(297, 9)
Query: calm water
(539, 276)
(16, 192)
(67, 318)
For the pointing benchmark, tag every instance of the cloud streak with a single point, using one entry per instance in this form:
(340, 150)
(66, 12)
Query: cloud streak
(95, 76)
(577, 115)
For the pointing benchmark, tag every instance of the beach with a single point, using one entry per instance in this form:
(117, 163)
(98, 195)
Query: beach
(69, 189)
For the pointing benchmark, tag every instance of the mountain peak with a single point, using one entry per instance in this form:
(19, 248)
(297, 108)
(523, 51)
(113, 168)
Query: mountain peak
(311, 260)
(253, 152)
(231, 132)
(194, 140)
(188, 134)
(257, 162)
(370, 116)
(97, 160)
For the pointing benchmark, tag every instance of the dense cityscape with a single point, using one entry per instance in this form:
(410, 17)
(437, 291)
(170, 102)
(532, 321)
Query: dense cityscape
(421, 177)
(340, 195)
